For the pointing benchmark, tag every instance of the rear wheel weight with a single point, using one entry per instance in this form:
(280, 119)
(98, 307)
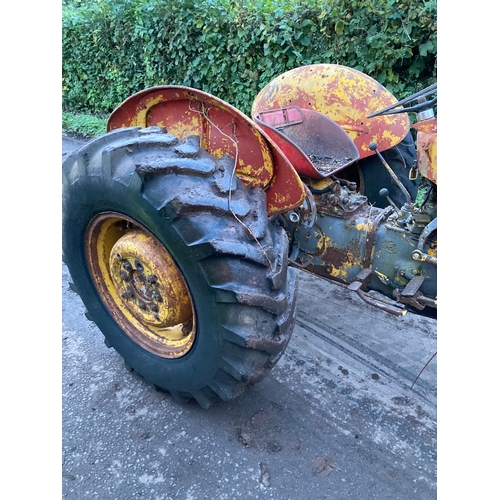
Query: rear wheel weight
(169, 290)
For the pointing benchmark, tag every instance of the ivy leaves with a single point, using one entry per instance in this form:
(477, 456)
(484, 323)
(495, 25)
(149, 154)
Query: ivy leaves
(113, 48)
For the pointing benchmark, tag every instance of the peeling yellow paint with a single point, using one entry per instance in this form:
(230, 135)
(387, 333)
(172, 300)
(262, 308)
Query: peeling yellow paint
(334, 272)
(140, 119)
(344, 95)
(342, 272)
(223, 130)
(321, 184)
(388, 135)
(365, 226)
(432, 252)
(281, 198)
(183, 130)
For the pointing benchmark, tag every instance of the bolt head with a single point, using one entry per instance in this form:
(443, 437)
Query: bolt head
(125, 276)
(152, 279)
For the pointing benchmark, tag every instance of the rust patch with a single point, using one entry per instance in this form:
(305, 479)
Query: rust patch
(427, 155)
(344, 95)
(223, 130)
(337, 257)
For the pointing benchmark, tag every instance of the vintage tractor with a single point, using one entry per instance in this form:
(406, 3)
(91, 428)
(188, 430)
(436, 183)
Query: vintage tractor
(184, 225)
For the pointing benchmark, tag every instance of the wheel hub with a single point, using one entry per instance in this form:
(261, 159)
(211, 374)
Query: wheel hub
(141, 285)
(148, 281)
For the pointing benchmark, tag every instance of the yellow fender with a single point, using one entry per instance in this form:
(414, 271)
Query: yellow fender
(344, 95)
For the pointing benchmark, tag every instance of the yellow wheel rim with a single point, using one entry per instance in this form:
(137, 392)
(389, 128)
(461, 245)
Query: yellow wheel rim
(140, 285)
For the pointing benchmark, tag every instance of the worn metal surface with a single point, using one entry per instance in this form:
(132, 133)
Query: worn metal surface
(344, 95)
(315, 145)
(143, 271)
(223, 130)
(349, 236)
(427, 148)
(140, 285)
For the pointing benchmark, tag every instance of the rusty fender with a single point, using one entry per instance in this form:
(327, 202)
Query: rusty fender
(223, 130)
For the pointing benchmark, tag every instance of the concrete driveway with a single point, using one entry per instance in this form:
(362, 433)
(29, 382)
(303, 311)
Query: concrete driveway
(336, 419)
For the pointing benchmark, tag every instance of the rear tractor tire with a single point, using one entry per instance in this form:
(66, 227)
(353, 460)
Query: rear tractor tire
(177, 262)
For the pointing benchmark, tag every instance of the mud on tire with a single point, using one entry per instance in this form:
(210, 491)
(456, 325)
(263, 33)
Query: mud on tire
(192, 291)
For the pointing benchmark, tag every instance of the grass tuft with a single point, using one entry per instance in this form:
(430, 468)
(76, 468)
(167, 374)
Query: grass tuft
(87, 126)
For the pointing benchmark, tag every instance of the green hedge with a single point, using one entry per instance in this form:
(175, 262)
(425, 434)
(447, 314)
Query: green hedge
(113, 48)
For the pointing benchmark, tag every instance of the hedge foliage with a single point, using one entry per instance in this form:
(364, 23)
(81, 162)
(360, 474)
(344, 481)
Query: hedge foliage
(232, 49)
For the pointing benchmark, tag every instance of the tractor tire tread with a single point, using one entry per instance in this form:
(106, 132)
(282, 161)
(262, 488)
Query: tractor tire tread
(230, 238)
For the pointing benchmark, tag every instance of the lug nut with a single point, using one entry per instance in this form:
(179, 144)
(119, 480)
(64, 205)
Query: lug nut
(128, 293)
(127, 265)
(125, 276)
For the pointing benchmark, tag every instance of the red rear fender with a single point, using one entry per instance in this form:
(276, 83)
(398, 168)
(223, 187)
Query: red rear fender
(223, 130)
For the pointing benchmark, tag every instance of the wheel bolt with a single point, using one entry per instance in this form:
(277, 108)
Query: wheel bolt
(127, 294)
(154, 308)
(127, 265)
(125, 276)
(152, 279)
